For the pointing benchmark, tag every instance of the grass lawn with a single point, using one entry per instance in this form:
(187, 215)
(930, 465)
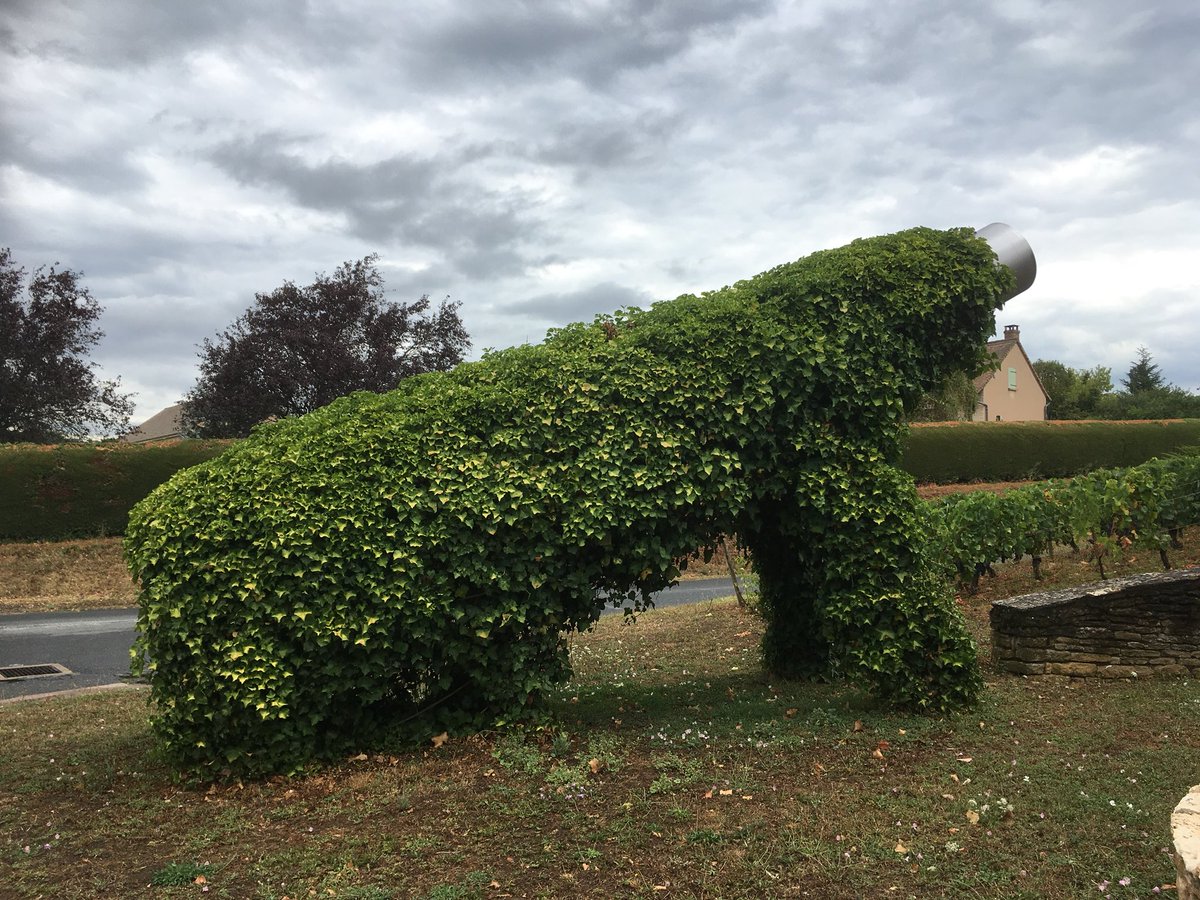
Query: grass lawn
(672, 766)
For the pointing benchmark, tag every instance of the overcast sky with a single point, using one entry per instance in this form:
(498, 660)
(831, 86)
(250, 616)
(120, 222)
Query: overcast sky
(543, 162)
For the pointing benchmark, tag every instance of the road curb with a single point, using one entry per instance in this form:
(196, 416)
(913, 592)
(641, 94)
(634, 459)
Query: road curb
(75, 692)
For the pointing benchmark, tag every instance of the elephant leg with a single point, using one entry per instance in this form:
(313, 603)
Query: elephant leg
(884, 614)
(793, 644)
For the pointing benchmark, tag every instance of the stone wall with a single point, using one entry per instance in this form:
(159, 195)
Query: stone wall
(1121, 628)
(1185, 836)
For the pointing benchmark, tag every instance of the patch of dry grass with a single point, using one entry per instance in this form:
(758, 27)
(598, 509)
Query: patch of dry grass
(64, 575)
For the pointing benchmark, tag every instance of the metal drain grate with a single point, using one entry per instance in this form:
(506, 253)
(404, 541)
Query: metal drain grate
(44, 670)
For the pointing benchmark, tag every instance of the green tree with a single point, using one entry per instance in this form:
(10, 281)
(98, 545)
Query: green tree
(1143, 374)
(48, 390)
(1148, 395)
(1073, 393)
(1158, 403)
(953, 401)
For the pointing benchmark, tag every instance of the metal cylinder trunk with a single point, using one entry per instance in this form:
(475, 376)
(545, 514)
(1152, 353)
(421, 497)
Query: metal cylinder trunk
(1012, 251)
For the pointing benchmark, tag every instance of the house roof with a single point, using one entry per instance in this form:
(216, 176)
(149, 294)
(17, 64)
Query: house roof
(1001, 350)
(162, 426)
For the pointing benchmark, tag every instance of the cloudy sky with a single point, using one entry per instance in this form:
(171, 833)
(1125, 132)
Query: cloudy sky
(541, 162)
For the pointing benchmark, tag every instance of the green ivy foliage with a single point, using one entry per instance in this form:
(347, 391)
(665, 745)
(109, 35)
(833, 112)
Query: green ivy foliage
(392, 565)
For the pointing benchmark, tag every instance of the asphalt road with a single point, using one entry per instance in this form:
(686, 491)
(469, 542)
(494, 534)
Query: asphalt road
(94, 646)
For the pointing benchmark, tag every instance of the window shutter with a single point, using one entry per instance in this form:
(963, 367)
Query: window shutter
(1012, 379)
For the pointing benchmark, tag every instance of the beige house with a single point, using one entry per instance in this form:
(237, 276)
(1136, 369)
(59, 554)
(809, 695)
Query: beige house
(1011, 391)
(164, 425)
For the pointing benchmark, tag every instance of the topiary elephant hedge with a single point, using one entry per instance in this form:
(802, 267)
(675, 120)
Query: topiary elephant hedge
(412, 560)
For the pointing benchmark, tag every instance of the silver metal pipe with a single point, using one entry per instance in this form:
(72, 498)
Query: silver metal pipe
(1013, 251)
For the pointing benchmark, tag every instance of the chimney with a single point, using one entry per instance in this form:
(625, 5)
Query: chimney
(1012, 333)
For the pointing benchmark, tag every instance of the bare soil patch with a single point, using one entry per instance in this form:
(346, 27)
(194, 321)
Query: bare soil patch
(937, 491)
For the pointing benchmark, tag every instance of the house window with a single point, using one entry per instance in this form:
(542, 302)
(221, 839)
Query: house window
(1012, 379)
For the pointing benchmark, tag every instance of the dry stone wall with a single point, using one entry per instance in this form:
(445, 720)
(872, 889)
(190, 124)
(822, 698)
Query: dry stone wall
(1121, 628)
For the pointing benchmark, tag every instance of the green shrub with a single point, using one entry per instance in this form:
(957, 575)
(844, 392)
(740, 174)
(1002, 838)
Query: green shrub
(1016, 451)
(394, 565)
(1106, 511)
(56, 492)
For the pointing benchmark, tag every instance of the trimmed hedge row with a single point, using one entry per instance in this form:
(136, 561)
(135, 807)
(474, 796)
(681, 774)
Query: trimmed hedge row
(1017, 451)
(56, 492)
(1102, 513)
(50, 493)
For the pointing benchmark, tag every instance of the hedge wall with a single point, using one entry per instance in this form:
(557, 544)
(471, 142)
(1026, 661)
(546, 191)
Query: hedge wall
(84, 490)
(1016, 451)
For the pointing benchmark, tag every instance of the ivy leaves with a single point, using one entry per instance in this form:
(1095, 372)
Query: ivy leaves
(405, 563)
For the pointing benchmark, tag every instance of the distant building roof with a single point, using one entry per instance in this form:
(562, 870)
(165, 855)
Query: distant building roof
(1000, 350)
(165, 425)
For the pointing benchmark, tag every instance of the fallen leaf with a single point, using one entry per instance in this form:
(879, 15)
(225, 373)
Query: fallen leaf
(902, 732)
(858, 725)
(438, 739)
(963, 759)
(972, 816)
(883, 745)
(791, 713)
(726, 793)
(595, 765)
(200, 879)
(747, 796)
(877, 753)
(362, 757)
(954, 777)
(947, 796)
(900, 848)
(742, 634)
(708, 795)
